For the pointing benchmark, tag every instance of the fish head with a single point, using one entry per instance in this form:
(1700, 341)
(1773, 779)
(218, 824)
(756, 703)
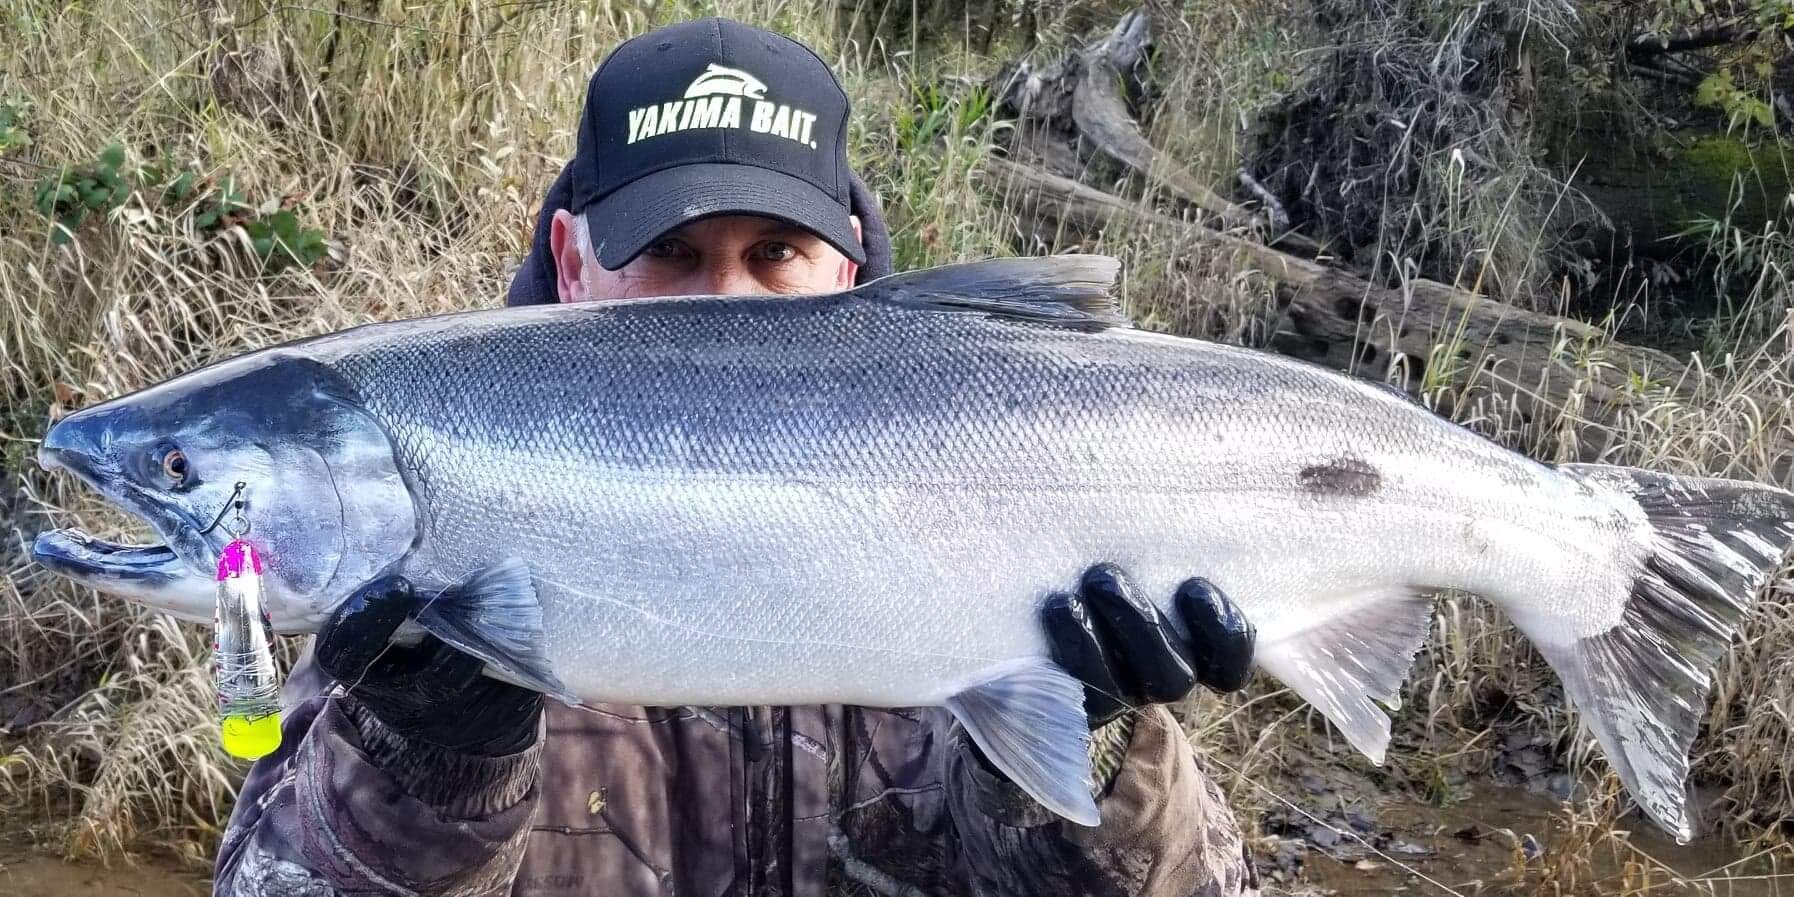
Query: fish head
(322, 498)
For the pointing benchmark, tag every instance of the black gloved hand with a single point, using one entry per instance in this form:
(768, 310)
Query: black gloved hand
(1126, 652)
(429, 691)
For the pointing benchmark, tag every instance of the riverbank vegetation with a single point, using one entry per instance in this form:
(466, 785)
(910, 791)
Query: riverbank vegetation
(1564, 224)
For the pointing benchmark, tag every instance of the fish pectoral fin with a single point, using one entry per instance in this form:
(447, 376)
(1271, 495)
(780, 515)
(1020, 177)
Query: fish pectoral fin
(495, 616)
(1064, 290)
(1350, 663)
(1028, 719)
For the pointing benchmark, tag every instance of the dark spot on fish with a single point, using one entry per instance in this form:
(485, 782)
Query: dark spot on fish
(1367, 353)
(1348, 307)
(1348, 476)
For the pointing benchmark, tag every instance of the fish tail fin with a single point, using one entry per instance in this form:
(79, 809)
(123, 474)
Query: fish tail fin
(1641, 686)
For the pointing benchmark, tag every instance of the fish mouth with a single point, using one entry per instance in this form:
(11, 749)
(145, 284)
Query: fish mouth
(168, 577)
(152, 575)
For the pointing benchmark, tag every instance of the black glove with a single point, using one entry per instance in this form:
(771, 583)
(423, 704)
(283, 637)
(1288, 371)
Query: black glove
(1127, 653)
(429, 691)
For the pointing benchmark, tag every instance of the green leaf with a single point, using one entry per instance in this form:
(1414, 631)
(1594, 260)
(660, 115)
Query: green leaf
(1714, 88)
(285, 224)
(263, 246)
(182, 188)
(205, 220)
(113, 155)
(1761, 113)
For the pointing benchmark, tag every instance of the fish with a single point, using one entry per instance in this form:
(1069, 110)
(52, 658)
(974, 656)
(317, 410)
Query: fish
(864, 497)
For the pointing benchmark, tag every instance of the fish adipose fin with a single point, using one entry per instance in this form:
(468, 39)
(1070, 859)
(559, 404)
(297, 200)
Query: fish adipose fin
(1029, 721)
(1641, 687)
(1066, 290)
(495, 616)
(1350, 663)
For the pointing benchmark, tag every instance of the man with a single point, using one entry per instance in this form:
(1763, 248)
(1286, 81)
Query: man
(711, 160)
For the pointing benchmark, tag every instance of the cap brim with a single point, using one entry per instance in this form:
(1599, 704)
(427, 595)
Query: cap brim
(636, 214)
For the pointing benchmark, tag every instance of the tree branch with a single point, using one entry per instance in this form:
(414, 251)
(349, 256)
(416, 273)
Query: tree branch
(1647, 46)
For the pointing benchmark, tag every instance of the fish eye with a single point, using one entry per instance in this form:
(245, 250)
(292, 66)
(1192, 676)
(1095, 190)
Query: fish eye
(174, 465)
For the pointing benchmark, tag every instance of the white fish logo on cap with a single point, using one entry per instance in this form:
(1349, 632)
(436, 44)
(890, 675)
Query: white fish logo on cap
(720, 79)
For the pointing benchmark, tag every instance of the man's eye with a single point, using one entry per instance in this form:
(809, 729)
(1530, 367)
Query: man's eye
(774, 251)
(668, 248)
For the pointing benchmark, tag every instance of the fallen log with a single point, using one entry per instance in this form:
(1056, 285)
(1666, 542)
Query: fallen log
(1083, 94)
(1546, 368)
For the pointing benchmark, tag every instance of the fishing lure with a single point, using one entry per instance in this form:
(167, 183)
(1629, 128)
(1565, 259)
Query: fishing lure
(242, 651)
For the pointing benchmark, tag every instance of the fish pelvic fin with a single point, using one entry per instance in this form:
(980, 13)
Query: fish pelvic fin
(1028, 719)
(495, 616)
(1348, 663)
(1641, 687)
(1064, 290)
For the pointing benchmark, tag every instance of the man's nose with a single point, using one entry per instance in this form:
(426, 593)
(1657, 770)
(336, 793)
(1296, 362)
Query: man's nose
(730, 280)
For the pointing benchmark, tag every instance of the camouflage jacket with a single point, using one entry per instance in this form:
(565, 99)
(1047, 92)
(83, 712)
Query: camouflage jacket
(623, 801)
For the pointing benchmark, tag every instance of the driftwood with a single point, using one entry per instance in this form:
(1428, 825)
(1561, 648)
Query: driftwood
(1526, 366)
(1080, 106)
(1534, 363)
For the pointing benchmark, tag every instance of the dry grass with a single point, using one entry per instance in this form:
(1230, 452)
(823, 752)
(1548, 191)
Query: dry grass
(419, 139)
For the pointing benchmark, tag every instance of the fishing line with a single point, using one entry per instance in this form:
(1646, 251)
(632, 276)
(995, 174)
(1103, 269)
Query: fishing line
(425, 605)
(1348, 833)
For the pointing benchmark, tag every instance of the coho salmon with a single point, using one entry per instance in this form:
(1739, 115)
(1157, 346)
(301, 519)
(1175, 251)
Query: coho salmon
(863, 498)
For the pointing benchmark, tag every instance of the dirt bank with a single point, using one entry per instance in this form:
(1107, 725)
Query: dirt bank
(26, 873)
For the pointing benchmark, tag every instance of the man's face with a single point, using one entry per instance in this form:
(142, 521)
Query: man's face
(732, 255)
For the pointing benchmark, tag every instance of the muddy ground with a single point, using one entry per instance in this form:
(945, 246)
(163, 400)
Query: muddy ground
(29, 871)
(1493, 839)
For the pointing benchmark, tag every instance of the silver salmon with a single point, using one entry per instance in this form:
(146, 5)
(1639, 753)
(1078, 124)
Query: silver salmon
(863, 498)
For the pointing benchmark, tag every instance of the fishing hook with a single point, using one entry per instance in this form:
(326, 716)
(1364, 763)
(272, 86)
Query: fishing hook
(239, 524)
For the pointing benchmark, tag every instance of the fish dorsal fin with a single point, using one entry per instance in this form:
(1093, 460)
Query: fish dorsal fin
(1067, 290)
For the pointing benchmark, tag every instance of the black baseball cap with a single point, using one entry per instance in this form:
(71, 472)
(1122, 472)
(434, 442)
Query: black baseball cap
(711, 117)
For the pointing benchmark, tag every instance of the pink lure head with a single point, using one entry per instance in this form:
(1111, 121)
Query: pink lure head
(237, 557)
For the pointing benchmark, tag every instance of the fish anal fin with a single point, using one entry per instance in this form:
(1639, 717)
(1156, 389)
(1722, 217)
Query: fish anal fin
(1064, 290)
(1028, 718)
(495, 616)
(1349, 663)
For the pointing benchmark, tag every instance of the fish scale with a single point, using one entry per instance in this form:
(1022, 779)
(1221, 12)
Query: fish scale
(863, 498)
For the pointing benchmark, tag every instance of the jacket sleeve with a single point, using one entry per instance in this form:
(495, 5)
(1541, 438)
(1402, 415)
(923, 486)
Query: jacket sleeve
(1166, 828)
(346, 806)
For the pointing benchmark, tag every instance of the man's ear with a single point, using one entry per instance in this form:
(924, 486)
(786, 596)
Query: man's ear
(563, 246)
(849, 269)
